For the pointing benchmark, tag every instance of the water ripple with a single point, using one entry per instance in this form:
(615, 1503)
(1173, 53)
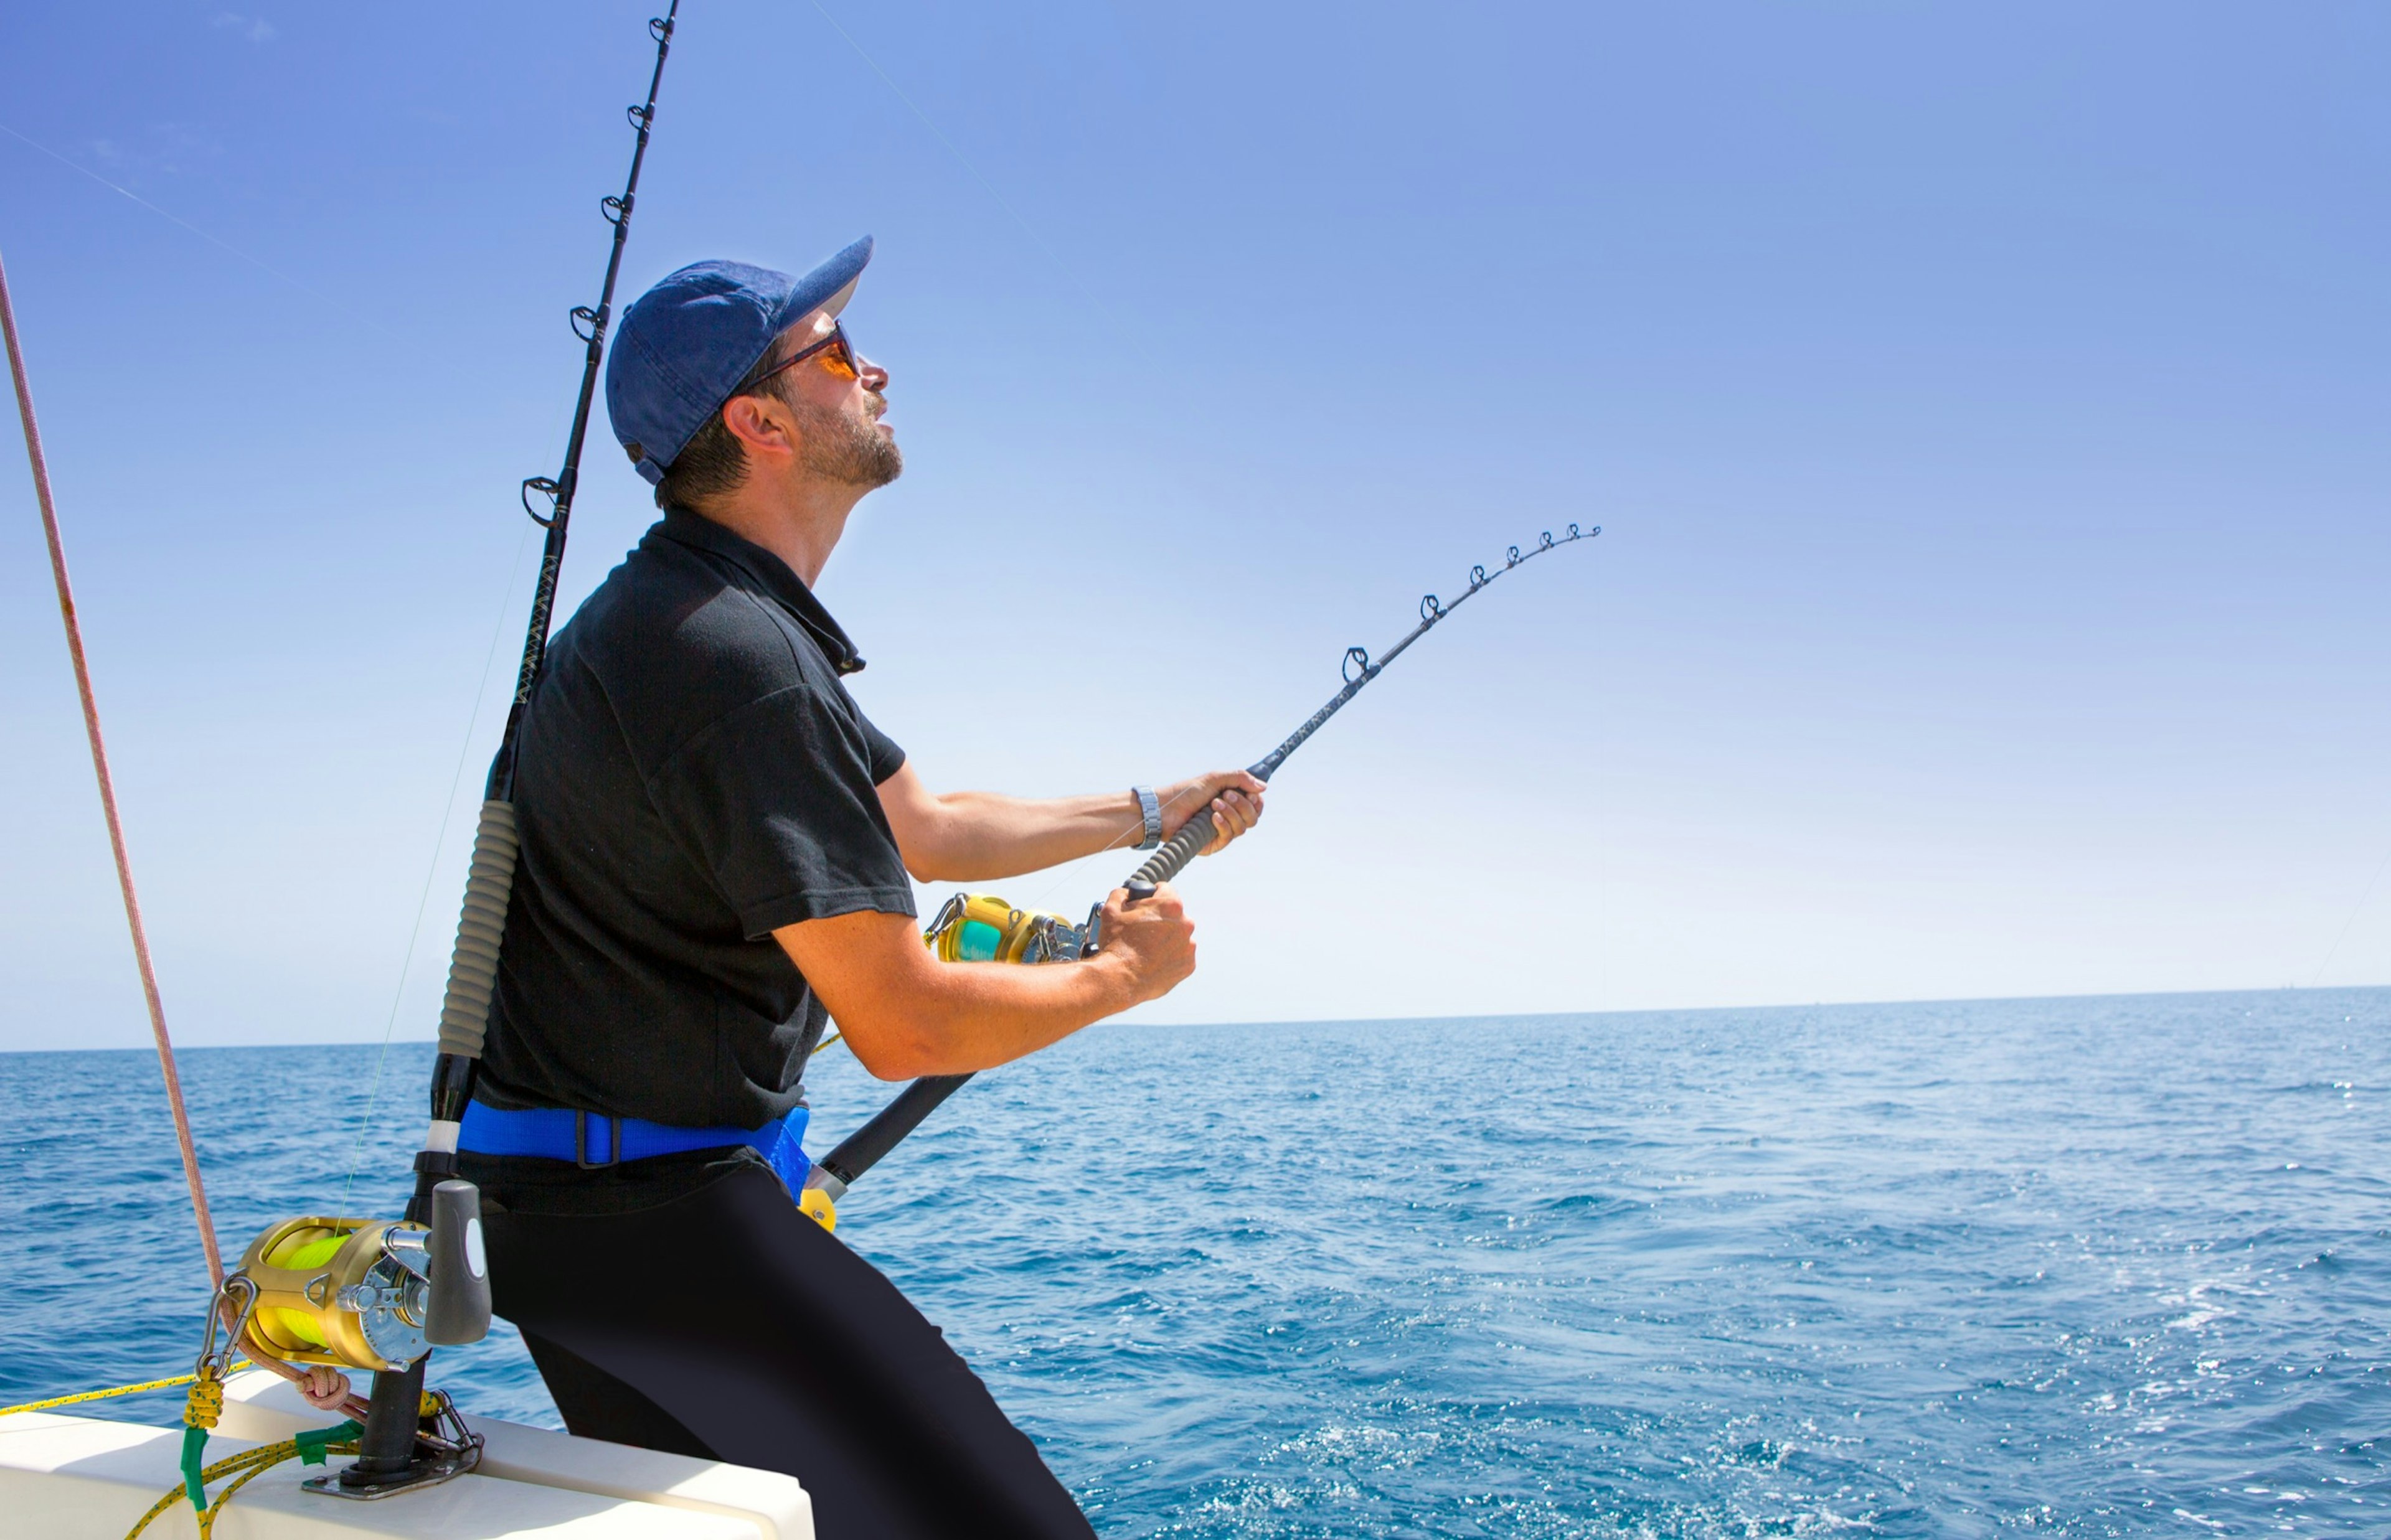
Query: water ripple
(2074, 1267)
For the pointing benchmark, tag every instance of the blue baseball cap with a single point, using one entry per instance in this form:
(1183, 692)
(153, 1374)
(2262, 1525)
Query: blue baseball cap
(685, 345)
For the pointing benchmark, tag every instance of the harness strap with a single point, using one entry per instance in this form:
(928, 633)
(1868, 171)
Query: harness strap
(593, 1141)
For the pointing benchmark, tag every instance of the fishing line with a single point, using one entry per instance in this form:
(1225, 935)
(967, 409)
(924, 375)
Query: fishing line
(481, 691)
(365, 1121)
(489, 882)
(1068, 870)
(390, 1448)
(1014, 936)
(1086, 290)
(1060, 264)
(423, 901)
(2363, 900)
(226, 245)
(937, 132)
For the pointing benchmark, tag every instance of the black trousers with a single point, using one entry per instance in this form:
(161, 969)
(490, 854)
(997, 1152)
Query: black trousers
(725, 1324)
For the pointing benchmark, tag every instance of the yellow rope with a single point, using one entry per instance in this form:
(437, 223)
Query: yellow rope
(250, 1463)
(103, 1395)
(160, 1506)
(208, 1519)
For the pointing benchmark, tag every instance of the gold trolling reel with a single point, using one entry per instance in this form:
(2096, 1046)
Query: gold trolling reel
(368, 1294)
(984, 928)
(373, 1295)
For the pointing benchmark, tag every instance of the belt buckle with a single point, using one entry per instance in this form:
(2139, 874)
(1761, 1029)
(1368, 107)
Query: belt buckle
(581, 1142)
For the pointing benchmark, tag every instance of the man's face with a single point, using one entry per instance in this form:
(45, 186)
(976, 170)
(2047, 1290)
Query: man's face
(838, 409)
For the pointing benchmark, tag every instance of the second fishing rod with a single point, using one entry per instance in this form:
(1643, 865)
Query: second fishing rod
(981, 927)
(393, 1454)
(474, 966)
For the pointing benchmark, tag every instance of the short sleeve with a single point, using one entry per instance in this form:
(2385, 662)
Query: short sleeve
(880, 754)
(777, 803)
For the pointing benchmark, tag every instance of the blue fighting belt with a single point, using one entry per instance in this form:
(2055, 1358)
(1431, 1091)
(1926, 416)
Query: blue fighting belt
(592, 1140)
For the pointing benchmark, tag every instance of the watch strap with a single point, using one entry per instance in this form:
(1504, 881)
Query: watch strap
(1152, 809)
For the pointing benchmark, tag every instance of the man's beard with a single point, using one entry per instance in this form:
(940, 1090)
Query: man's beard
(841, 447)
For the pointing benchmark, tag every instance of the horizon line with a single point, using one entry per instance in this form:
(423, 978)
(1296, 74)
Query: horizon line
(1402, 1021)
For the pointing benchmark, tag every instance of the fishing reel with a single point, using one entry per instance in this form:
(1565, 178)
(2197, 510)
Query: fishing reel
(372, 1294)
(375, 1295)
(984, 928)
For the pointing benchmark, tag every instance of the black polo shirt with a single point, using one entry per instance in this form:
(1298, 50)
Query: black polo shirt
(691, 775)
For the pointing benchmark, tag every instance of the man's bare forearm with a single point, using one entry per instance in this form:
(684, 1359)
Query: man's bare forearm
(905, 1013)
(975, 1016)
(979, 836)
(988, 835)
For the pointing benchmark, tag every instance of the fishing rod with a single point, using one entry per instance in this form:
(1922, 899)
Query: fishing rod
(1014, 935)
(473, 967)
(393, 1451)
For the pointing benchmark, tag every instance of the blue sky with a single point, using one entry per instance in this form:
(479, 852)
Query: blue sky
(1983, 409)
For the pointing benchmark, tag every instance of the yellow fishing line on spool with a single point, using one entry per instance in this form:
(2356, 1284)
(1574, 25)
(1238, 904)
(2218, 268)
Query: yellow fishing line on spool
(302, 1269)
(301, 1248)
(307, 1247)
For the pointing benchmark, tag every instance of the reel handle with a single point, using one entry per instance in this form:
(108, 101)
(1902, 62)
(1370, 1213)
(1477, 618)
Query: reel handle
(459, 1307)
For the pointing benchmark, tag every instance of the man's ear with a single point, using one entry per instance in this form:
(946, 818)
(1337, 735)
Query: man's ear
(760, 424)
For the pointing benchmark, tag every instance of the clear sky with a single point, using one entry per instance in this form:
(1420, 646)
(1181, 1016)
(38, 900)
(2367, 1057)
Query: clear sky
(1985, 407)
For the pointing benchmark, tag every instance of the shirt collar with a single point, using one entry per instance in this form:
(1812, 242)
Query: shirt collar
(699, 532)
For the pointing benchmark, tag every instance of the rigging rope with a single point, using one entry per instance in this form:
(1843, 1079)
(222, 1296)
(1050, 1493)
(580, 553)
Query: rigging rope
(309, 1447)
(107, 784)
(81, 1396)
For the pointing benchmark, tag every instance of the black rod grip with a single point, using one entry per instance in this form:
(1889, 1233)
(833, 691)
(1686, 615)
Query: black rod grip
(860, 1150)
(1180, 848)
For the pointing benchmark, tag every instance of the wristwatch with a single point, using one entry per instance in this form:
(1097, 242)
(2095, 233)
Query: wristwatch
(1153, 810)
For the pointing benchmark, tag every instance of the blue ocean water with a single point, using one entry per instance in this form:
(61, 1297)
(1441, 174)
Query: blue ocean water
(2081, 1268)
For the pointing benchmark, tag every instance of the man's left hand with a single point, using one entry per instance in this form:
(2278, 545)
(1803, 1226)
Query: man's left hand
(1233, 796)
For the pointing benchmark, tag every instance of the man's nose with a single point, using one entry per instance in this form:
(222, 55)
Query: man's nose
(874, 376)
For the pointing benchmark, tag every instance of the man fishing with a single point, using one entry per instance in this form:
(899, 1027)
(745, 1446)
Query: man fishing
(715, 843)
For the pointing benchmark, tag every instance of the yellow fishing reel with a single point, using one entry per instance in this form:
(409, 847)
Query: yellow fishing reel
(984, 928)
(370, 1294)
(345, 1292)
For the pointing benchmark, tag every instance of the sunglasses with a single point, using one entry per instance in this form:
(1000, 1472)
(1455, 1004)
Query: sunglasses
(840, 357)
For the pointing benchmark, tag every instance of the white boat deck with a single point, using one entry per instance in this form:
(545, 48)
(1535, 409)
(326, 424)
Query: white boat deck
(73, 1478)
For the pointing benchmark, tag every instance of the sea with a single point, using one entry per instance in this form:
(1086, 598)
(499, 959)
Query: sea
(2102, 1266)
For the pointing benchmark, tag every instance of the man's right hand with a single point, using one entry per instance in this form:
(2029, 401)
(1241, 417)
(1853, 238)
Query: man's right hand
(905, 1013)
(1152, 940)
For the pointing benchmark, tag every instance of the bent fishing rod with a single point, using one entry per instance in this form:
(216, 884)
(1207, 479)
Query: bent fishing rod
(1022, 937)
